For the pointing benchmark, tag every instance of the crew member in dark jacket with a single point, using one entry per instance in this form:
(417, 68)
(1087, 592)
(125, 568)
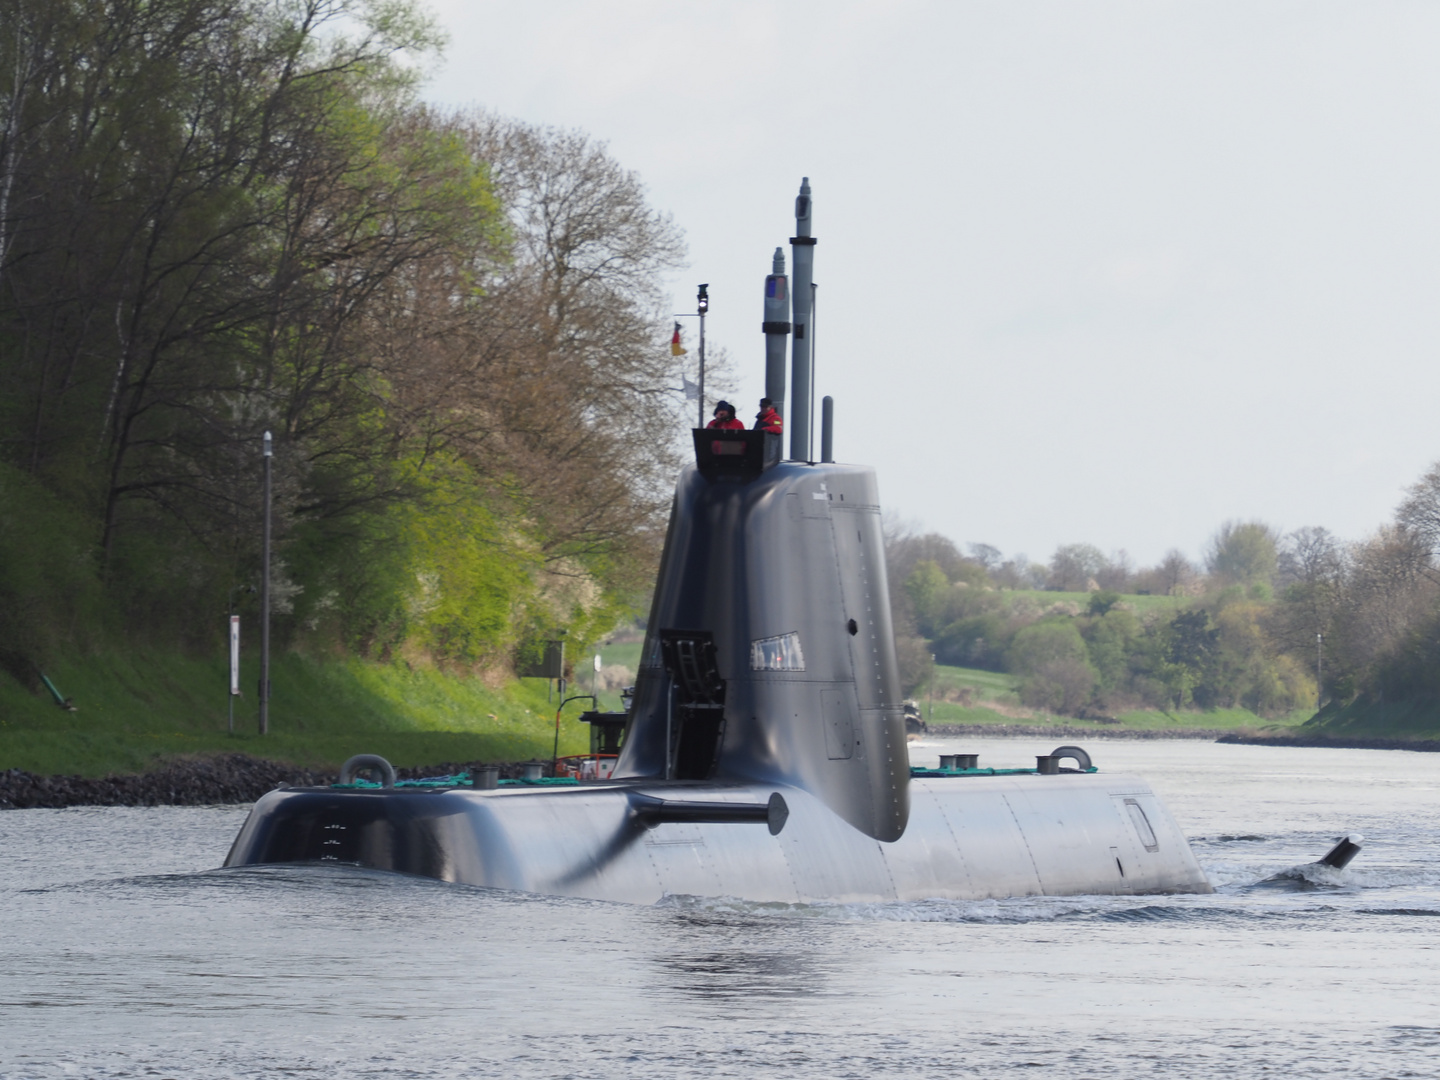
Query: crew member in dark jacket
(725, 418)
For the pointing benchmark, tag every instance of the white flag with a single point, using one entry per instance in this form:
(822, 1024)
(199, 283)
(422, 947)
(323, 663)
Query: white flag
(689, 389)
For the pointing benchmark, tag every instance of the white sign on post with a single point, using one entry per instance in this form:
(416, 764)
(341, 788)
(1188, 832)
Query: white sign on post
(234, 655)
(597, 661)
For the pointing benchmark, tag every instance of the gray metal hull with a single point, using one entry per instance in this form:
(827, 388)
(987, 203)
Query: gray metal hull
(968, 838)
(799, 550)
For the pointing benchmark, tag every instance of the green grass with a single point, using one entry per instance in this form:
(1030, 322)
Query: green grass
(135, 707)
(1395, 720)
(994, 699)
(1235, 719)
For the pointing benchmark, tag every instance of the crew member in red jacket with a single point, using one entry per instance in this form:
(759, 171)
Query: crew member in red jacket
(725, 418)
(767, 419)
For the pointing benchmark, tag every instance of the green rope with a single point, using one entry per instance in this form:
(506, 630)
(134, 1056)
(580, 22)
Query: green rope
(459, 780)
(982, 772)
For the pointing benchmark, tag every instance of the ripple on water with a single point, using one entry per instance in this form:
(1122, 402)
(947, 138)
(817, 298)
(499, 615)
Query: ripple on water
(129, 955)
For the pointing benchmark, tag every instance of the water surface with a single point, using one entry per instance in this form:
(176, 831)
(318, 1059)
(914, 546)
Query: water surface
(127, 954)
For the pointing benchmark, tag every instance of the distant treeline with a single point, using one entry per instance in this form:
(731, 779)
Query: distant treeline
(221, 217)
(1250, 628)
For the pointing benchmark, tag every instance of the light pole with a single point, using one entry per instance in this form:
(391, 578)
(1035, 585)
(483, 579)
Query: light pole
(702, 305)
(1319, 672)
(269, 454)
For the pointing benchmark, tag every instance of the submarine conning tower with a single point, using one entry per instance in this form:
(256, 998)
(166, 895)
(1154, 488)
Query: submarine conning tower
(769, 654)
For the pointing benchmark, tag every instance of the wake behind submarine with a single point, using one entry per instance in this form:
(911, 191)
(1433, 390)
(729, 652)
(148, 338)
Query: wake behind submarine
(763, 755)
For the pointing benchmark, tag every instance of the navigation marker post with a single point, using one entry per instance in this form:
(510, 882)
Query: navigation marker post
(234, 669)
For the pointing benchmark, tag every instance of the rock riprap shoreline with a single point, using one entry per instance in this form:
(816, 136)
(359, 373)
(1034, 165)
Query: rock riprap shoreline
(1068, 731)
(1331, 741)
(188, 781)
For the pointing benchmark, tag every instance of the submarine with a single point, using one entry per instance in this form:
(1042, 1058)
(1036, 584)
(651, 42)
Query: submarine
(763, 755)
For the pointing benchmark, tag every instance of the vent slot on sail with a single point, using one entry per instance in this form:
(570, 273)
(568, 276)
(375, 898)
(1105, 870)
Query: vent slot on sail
(690, 661)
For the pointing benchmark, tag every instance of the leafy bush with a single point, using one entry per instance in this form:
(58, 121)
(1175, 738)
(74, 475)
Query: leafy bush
(978, 642)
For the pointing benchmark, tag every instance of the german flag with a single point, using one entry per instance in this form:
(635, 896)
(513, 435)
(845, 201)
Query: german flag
(676, 349)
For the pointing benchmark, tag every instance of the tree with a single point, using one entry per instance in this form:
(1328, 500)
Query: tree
(220, 217)
(1117, 575)
(928, 588)
(1186, 651)
(1388, 594)
(1243, 553)
(1419, 514)
(1175, 575)
(561, 382)
(917, 664)
(1074, 566)
(1111, 640)
(987, 555)
(1055, 671)
(1310, 576)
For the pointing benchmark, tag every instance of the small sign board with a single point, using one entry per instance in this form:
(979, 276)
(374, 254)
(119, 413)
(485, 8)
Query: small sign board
(549, 665)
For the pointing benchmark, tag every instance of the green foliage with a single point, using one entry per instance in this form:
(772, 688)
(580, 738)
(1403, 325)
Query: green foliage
(1113, 641)
(49, 591)
(1410, 671)
(1077, 653)
(226, 217)
(1051, 658)
(1244, 553)
(1102, 601)
(928, 589)
(978, 641)
(970, 696)
(1041, 642)
(1367, 718)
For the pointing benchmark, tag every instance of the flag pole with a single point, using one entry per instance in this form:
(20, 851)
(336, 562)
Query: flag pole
(702, 305)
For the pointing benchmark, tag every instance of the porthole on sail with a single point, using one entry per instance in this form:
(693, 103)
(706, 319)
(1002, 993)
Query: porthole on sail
(780, 653)
(1142, 825)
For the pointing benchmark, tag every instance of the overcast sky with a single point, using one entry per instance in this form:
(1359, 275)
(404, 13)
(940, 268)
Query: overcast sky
(1100, 272)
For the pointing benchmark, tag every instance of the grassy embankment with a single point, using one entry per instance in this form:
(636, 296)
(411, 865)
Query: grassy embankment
(989, 697)
(134, 708)
(1404, 721)
(993, 698)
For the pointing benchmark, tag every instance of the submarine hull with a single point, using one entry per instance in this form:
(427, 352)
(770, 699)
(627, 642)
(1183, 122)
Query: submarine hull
(968, 838)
